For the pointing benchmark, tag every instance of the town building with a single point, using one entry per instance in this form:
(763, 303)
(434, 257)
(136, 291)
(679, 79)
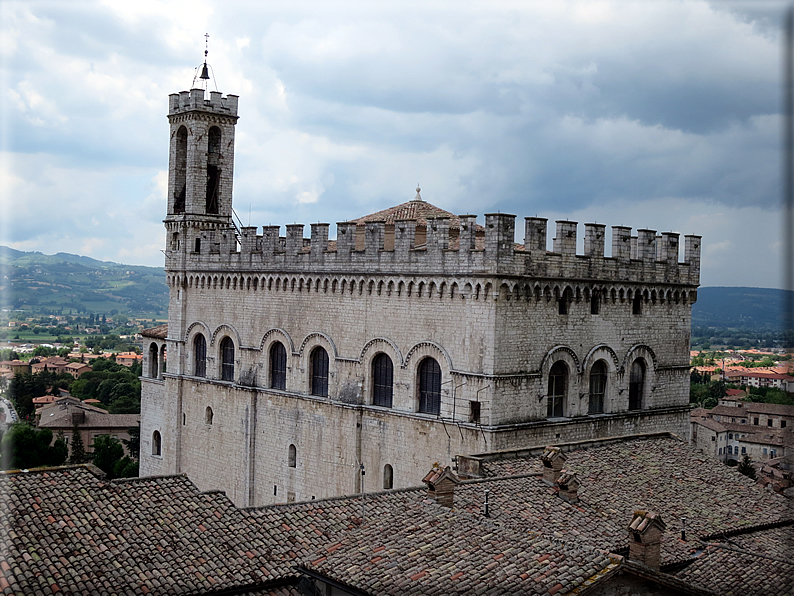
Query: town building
(758, 430)
(53, 364)
(68, 413)
(758, 378)
(308, 367)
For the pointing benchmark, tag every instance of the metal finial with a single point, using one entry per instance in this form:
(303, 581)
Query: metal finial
(204, 72)
(418, 197)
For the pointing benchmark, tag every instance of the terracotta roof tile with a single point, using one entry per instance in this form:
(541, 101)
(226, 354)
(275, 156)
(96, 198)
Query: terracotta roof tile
(418, 211)
(159, 332)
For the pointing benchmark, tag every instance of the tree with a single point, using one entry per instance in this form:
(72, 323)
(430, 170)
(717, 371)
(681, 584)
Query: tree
(26, 447)
(78, 449)
(107, 452)
(134, 442)
(126, 468)
(746, 467)
(126, 404)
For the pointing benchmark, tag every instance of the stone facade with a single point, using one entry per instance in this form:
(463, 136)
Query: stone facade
(441, 337)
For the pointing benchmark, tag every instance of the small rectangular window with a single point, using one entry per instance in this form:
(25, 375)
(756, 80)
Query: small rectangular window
(595, 305)
(744, 450)
(755, 421)
(769, 422)
(782, 424)
(562, 306)
(764, 450)
(474, 412)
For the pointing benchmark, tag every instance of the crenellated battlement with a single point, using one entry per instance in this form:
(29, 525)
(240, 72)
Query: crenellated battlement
(194, 100)
(406, 247)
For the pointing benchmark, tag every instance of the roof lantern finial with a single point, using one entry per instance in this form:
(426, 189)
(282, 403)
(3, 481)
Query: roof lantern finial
(418, 197)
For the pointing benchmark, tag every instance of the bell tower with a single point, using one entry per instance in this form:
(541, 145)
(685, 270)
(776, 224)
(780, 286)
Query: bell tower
(200, 168)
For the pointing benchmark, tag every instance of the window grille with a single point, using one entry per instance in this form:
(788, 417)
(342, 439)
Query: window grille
(278, 366)
(558, 381)
(319, 378)
(227, 359)
(636, 384)
(598, 387)
(200, 356)
(429, 387)
(382, 381)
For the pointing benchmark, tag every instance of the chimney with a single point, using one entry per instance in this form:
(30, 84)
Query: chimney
(645, 538)
(553, 460)
(441, 485)
(568, 484)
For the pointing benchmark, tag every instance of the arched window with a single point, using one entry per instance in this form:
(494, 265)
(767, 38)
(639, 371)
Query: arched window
(319, 372)
(153, 360)
(636, 384)
(213, 169)
(388, 477)
(208, 415)
(163, 360)
(429, 387)
(292, 460)
(382, 381)
(200, 356)
(278, 366)
(180, 170)
(227, 359)
(157, 443)
(598, 387)
(558, 385)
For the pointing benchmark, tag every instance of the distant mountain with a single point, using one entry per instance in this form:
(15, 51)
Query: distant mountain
(38, 282)
(756, 309)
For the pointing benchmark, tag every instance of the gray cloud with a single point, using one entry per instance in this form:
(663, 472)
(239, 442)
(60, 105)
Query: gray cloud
(526, 108)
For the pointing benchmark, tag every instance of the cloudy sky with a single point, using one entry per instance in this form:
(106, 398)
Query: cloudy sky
(653, 114)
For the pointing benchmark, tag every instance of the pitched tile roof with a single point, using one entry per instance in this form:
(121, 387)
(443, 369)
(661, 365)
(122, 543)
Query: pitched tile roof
(710, 424)
(662, 475)
(430, 549)
(59, 415)
(416, 210)
(71, 531)
(753, 563)
(754, 408)
(68, 530)
(159, 332)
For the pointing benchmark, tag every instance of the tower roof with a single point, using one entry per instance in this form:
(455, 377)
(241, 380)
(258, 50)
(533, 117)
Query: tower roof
(417, 210)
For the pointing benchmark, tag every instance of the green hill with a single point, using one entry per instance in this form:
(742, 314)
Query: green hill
(37, 283)
(756, 309)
